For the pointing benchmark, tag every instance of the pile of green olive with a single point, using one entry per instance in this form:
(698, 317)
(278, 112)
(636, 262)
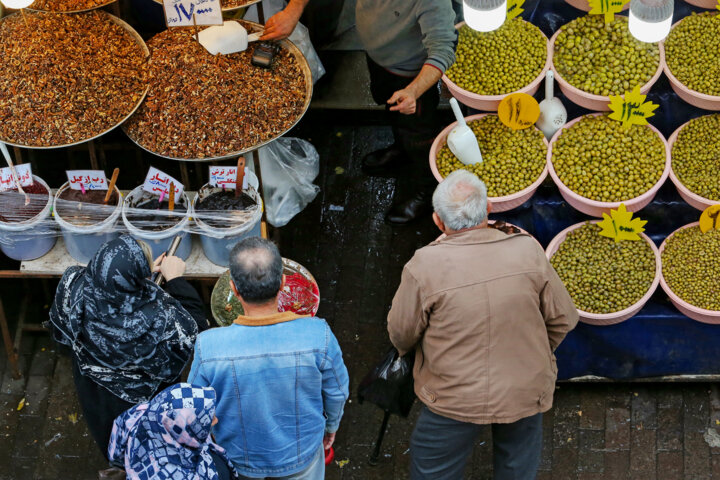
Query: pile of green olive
(498, 62)
(691, 52)
(599, 159)
(696, 156)
(601, 275)
(512, 159)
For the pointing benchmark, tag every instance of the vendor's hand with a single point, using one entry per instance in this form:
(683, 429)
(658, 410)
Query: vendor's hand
(328, 440)
(281, 25)
(404, 102)
(170, 267)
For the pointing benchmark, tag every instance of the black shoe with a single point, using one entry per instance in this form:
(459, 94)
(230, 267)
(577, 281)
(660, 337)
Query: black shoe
(384, 161)
(417, 206)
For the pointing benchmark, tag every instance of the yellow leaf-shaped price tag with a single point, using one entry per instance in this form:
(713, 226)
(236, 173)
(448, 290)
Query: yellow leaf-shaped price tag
(631, 108)
(620, 225)
(514, 8)
(710, 219)
(607, 7)
(518, 111)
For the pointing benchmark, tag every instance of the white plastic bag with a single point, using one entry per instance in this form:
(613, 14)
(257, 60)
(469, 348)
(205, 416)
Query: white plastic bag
(299, 36)
(289, 166)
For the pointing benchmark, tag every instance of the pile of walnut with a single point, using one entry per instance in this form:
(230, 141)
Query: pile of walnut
(68, 5)
(205, 106)
(66, 78)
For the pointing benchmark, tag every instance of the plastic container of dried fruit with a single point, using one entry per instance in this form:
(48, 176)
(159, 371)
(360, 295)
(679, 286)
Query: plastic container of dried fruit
(596, 208)
(83, 241)
(693, 199)
(584, 5)
(499, 204)
(621, 315)
(696, 313)
(590, 100)
(489, 103)
(694, 98)
(32, 238)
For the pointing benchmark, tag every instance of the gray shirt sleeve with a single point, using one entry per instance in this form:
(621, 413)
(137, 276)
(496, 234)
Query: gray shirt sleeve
(436, 19)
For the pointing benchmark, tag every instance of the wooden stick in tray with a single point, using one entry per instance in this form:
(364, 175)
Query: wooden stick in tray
(171, 197)
(111, 187)
(240, 176)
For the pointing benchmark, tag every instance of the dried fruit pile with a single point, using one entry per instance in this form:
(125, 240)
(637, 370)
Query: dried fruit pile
(68, 5)
(202, 106)
(66, 78)
(228, 4)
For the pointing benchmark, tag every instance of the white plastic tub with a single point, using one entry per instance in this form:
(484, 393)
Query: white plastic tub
(32, 238)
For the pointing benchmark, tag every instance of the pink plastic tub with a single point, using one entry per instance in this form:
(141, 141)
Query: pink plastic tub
(696, 313)
(594, 207)
(499, 204)
(622, 315)
(590, 100)
(489, 103)
(694, 98)
(693, 199)
(703, 3)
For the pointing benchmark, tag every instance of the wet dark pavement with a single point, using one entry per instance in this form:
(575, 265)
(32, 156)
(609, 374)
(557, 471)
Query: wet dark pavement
(604, 431)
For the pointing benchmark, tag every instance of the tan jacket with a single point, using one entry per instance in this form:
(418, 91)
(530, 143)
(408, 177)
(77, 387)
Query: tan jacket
(485, 310)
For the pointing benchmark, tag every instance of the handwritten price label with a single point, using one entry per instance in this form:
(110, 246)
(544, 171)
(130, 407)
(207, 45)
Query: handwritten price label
(90, 179)
(710, 219)
(225, 177)
(518, 111)
(180, 13)
(24, 172)
(607, 7)
(632, 109)
(158, 182)
(514, 8)
(620, 225)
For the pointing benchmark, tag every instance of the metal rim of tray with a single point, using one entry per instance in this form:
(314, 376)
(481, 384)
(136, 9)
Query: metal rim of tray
(302, 62)
(141, 43)
(107, 2)
(226, 9)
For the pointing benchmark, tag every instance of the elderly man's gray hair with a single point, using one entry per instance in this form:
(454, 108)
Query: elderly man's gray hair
(461, 200)
(256, 269)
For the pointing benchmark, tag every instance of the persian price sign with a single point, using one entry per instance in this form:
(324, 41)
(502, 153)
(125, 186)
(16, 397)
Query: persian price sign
(7, 180)
(607, 7)
(158, 182)
(620, 225)
(186, 13)
(631, 108)
(87, 179)
(518, 111)
(710, 219)
(514, 8)
(225, 177)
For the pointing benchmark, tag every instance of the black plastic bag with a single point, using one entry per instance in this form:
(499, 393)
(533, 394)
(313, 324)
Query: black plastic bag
(390, 384)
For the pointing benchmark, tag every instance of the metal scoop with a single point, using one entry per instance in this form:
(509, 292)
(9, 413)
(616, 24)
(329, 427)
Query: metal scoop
(462, 140)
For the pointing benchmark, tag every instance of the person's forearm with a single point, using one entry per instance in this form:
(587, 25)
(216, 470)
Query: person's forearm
(427, 78)
(296, 7)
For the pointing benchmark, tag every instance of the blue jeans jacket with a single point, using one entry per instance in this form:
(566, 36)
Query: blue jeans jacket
(281, 384)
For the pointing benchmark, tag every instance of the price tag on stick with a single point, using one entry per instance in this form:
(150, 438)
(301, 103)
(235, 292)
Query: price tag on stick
(87, 179)
(710, 219)
(631, 108)
(158, 182)
(518, 111)
(7, 180)
(514, 8)
(225, 177)
(608, 8)
(186, 13)
(620, 225)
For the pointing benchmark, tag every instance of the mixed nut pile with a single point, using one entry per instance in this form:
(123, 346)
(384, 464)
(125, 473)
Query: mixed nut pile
(203, 106)
(66, 78)
(67, 5)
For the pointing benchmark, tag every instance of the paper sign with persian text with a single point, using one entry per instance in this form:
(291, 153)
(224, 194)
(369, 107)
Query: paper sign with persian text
(631, 108)
(87, 179)
(158, 182)
(620, 225)
(607, 7)
(225, 177)
(514, 8)
(24, 172)
(710, 219)
(518, 111)
(180, 13)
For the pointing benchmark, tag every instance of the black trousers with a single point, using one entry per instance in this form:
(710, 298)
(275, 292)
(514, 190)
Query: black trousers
(413, 133)
(440, 447)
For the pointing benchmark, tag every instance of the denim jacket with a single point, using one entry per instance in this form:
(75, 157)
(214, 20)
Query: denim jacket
(281, 384)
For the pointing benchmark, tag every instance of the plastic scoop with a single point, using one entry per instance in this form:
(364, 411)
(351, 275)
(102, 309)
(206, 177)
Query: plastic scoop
(9, 161)
(230, 37)
(462, 140)
(552, 111)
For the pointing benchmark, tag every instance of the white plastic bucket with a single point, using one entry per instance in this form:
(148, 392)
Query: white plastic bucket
(217, 242)
(83, 241)
(159, 241)
(29, 239)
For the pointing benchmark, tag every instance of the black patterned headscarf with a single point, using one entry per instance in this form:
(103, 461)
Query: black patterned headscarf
(127, 334)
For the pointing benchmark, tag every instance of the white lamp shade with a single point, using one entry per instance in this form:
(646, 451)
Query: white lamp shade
(484, 20)
(17, 4)
(647, 31)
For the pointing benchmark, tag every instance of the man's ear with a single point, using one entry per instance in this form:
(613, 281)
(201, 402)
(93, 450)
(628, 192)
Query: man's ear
(439, 223)
(282, 283)
(234, 289)
(489, 207)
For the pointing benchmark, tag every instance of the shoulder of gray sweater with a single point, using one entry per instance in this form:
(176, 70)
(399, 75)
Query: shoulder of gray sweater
(436, 19)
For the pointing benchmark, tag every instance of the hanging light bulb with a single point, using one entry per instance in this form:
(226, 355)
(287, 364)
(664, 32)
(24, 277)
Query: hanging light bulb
(650, 20)
(484, 15)
(17, 4)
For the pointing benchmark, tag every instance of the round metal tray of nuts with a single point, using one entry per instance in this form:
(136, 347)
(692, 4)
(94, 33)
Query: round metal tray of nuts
(203, 107)
(230, 5)
(68, 6)
(58, 90)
